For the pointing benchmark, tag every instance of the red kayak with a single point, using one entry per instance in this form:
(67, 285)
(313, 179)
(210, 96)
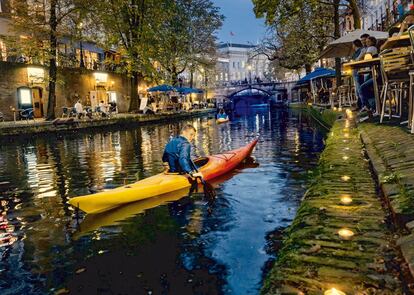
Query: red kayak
(211, 167)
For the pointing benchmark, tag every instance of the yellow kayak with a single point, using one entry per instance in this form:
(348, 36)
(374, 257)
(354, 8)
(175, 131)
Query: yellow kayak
(211, 167)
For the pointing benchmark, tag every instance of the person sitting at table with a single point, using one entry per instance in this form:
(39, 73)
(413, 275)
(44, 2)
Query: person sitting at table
(79, 109)
(102, 109)
(357, 46)
(371, 47)
(394, 31)
(408, 21)
(364, 39)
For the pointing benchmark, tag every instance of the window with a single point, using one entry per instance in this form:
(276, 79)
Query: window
(234, 64)
(112, 96)
(25, 96)
(243, 64)
(1, 10)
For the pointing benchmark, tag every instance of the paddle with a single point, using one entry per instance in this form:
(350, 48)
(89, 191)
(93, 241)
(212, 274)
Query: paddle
(208, 189)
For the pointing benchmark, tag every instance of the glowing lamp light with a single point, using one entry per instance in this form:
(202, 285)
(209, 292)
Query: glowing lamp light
(345, 158)
(309, 103)
(346, 200)
(340, 109)
(345, 178)
(346, 135)
(349, 113)
(35, 74)
(334, 291)
(367, 56)
(345, 233)
(335, 109)
(100, 77)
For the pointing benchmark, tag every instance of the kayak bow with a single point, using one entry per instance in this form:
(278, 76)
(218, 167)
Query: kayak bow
(211, 167)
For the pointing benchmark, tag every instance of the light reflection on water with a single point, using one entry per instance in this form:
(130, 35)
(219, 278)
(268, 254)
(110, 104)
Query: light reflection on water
(175, 248)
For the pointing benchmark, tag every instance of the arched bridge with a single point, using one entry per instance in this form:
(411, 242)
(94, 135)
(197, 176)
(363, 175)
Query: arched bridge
(269, 87)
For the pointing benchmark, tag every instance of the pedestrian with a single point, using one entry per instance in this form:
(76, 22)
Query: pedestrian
(177, 154)
(79, 109)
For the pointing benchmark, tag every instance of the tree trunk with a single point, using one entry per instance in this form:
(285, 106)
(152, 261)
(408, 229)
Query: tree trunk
(52, 62)
(174, 76)
(355, 13)
(134, 103)
(337, 34)
(308, 68)
(191, 77)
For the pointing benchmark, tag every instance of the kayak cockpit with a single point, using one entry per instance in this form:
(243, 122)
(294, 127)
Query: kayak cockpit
(200, 162)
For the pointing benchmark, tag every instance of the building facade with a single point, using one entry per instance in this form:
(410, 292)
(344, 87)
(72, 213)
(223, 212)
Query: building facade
(240, 63)
(376, 15)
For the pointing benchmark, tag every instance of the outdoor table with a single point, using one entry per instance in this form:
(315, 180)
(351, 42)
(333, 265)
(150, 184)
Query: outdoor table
(396, 41)
(372, 64)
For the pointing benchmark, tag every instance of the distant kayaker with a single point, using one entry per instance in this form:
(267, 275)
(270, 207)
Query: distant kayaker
(222, 115)
(177, 153)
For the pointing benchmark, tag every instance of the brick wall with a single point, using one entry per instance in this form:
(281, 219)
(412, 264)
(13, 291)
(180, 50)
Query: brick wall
(71, 82)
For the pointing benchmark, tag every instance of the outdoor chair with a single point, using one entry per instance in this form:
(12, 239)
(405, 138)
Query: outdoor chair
(395, 66)
(65, 112)
(344, 95)
(26, 114)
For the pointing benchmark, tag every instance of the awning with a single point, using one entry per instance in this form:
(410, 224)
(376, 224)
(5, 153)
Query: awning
(188, 90)
(342, 47)
(162, 88)
(317, 73)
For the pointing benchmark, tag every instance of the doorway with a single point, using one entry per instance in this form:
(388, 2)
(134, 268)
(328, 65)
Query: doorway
(37, 95)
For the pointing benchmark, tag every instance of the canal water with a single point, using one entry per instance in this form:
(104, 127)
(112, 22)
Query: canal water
(172, 244)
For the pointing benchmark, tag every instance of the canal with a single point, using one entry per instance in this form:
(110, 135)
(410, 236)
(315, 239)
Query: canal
(168, 245)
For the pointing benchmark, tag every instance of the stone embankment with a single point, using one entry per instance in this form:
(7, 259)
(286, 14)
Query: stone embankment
(339, 242)
(35, 127)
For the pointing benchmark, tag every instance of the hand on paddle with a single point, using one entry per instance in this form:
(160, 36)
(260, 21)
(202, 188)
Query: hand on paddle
(197, 175)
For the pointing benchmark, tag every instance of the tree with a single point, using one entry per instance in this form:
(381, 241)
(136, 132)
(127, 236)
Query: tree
(186, 39)
(298, 35)
(42, 23)
(127, 26)
(318, 18)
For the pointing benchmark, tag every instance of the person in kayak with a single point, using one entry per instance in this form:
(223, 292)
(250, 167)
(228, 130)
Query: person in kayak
(177, 153)
(222, 115)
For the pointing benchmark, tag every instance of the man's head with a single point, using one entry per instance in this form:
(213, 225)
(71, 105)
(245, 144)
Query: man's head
(357, 43)
(371, 41)
(189, 132)
(364, 38)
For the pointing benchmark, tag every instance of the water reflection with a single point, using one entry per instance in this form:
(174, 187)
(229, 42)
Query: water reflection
(174, 248)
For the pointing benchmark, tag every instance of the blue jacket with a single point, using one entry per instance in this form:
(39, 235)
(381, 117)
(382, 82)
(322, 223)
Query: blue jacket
(178, 155)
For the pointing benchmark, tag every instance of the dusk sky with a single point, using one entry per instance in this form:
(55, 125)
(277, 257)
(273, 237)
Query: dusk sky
(240, 20)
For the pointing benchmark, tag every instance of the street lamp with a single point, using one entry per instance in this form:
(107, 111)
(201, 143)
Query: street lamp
(249, 67)
(82, 63)
(203, 72)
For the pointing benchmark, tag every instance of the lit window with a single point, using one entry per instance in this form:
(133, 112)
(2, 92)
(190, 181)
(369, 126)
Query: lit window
(112, 96)
(25, 96)
(101, 77)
